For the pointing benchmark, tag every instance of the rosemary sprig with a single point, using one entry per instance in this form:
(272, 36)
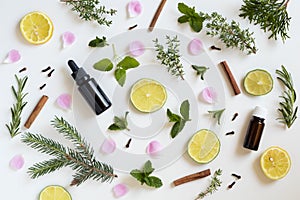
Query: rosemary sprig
(89, 10)
(170, 57)
(81, 159)
(16, 110)
(214, 185)
(271, 15)
(286, 106)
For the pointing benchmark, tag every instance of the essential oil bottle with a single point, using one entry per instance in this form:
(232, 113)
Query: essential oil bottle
(255, 129)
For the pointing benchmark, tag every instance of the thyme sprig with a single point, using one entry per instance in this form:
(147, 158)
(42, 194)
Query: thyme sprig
(271, 15)
(287, 105)
(81, 159)
(214, 185)
(17, 108)
(89, 10)
(170, 57)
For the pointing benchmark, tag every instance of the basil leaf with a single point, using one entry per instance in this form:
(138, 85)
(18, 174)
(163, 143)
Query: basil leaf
(173, 117)
(98, 42)
(128, 62)
(103, 65)
(185, 110)
(120, 75)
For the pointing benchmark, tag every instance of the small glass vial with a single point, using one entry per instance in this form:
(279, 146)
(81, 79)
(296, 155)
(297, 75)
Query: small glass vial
(255, 128)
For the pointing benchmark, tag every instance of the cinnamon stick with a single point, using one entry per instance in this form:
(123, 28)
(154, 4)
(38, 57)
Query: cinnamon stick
(36, 111)
(192, 177)
(156, 15)
(231, 78)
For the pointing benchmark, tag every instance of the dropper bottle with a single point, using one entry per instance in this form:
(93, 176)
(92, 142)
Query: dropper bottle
(255, 129)
(89, 89)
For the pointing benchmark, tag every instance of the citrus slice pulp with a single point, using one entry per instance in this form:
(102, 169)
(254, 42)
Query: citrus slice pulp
(204, 146)
(275, 163)
(258, 82)
(36, 27)
(148, 95)
(54, 192)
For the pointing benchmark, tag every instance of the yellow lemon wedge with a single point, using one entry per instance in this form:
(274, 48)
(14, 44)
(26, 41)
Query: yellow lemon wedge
(56, 192)
(204, 146)
(258, 82)
(148, 95)
(275, 162)
(36, 27)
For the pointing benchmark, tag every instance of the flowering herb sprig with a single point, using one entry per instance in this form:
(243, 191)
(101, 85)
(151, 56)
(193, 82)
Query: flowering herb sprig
(214, 185)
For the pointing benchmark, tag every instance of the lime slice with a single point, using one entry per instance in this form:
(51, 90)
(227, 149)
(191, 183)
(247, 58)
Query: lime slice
(148, 95)
(204, 146)
(258, 82)
(36, 27)
(56, 192)
(275, 163)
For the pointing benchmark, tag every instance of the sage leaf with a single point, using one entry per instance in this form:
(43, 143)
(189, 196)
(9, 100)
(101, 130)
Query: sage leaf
(185, 110)
(128, 62)
(173, 117)
(103, 65)
(120, 75)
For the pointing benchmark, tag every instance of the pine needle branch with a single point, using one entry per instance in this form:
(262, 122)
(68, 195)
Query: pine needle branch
(81, 159)
(17, 108)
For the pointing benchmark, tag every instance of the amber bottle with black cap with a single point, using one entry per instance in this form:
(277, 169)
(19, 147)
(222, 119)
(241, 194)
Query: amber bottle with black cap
(255, 129)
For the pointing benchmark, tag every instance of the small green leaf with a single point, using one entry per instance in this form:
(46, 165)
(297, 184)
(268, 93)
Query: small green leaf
(154, 182)
(196, 24)
(217, 114)
(114, 127)
(103, 65)
(128, 62)
(183, 8)
(173, 117)
(139, 175)
(185, 110)
(98, 42)
(177, 128)
(120, 75)
(183, 19)
(119, 123)
(200, 70)
(148, 169)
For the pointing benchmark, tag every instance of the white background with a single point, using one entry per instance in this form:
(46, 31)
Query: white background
(232, 158)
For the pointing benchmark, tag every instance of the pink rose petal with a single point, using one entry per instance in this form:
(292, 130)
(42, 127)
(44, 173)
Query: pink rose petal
(68, 38)
(209, 95)
(136, 48)
(153, 148)
(64, 101)
(17, 162)
(12, 56)
(134, 8)
(108, 146)
(195, 46)
(120, 190)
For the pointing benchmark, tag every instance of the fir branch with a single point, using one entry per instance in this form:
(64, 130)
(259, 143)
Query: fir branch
(89, 10)
(286, 106)
(16, 110)
(214, 185)
(81, 159)
(271, 15)
(170, 57)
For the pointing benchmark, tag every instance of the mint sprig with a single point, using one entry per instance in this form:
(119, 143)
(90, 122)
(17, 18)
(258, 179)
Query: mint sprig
(143, 176)
(200, 70)
(98, 42)
(120, 123)
(191, 16)
(179, 120)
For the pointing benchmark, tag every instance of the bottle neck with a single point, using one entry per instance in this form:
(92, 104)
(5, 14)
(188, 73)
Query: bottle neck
(258, 118)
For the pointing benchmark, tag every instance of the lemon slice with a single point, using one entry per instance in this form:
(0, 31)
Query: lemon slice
(258, 82)
(275, 163)
(148, 95)
(36, 27)
(204, 146)
(56, 192)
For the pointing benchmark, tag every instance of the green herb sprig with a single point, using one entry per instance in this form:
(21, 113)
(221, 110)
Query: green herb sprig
(214, 185)
(81, 159)
(170, 57)
(200, 70)
(287, 105)
(120, 123)
(229, 33)
(271, 15)
(89, 10)
(122, 65)
(17, 108)
(217, 114)
(143, 176)
(98, 42)
(180, 121)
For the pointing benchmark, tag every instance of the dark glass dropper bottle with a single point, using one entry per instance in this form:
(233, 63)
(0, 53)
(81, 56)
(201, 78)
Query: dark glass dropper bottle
(89, 89)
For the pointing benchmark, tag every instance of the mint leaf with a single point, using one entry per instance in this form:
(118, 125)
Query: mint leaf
(148, 169)
(114, 127)
(183, 19)
(196, 24)
(103, 65)
(185, 110)
(98, 42)
(128, 62)
(139, 175)
(120, 75)
(119, 123)
(154, 182)
(177, 128)
(184, 9)
(194, 19)
(200, 70)
(173, 117)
